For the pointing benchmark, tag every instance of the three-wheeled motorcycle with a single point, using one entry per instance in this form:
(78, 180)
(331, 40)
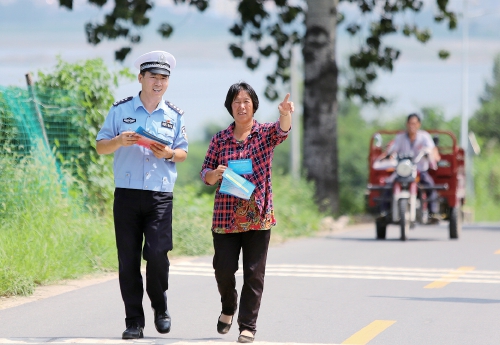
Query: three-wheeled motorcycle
(395, 182)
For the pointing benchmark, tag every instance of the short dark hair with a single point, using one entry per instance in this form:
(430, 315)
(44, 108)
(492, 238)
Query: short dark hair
(413, 115)
(233, 92)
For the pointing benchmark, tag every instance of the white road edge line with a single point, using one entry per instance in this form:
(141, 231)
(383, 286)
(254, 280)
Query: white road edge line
(32, 341)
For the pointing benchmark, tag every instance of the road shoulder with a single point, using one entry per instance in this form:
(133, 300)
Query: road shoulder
(329, 226)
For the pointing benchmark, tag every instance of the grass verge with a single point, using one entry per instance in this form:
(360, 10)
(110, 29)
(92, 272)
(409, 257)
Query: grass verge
(47, 234)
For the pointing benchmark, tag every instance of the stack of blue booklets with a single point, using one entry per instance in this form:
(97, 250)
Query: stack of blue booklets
(234, 184)
(147, 138)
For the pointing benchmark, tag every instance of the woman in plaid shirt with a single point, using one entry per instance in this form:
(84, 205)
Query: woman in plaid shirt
(239, 224)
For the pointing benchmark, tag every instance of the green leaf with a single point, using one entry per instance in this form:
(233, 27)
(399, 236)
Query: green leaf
(201, 5)
(122, 53)
(444, 54)
(271, 93)
(236, 51)
(267, 51)
(165, 30)
(252, 63)
(423, 36)
(353, 28)
(99, 3)
(237, 29)
(66, 3)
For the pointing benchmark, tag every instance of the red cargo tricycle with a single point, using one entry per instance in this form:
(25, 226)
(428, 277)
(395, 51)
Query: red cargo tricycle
(406, 200)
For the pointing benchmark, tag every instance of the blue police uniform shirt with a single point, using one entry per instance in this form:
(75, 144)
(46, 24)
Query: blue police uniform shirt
(136, 167)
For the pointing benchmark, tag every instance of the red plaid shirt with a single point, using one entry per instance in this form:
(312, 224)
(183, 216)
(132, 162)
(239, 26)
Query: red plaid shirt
(259, 146)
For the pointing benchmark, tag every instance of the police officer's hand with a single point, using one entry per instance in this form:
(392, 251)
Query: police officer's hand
(127, 138)
(161, 151)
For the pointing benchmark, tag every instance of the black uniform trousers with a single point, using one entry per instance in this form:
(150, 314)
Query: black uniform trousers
(142, 214)
(254, 245)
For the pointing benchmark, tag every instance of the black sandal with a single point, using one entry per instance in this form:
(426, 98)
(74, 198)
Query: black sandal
(223, 327)
(245, 339)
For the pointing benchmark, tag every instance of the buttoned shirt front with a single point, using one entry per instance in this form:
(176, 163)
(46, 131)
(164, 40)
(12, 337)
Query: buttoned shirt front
(135, 166)
(259, 147)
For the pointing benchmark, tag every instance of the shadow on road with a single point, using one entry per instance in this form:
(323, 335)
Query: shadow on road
(490, 227)
(395, 239)
(446, 299)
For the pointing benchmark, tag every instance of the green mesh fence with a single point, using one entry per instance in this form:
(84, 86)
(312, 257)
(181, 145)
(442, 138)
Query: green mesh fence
(25, 142)
(19, 129)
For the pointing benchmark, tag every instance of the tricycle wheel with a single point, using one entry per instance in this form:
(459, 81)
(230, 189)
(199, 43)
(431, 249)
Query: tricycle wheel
(381, 227)
(404, 218)
(455, 222)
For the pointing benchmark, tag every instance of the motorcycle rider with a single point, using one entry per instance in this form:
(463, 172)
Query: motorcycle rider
(413, 141)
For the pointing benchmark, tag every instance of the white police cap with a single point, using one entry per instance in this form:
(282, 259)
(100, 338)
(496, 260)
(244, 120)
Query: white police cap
(158, 62)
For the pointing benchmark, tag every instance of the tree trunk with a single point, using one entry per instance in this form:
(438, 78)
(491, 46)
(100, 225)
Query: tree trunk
(320, 102)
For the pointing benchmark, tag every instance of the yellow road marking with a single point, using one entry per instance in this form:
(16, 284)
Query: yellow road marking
(449, 278)
(369, 332)
(497, 252)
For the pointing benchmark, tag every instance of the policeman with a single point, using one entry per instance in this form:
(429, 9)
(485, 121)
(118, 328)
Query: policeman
(144, 182)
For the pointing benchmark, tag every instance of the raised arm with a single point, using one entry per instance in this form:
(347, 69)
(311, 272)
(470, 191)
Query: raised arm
(286, 109)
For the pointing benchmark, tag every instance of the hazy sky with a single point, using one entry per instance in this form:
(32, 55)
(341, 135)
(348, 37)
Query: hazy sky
(34, 32)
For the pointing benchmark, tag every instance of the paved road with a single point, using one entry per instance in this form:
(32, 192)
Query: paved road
(340, 288)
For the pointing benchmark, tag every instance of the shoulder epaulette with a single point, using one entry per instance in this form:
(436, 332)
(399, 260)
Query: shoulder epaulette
(125, 100)
(178, 110)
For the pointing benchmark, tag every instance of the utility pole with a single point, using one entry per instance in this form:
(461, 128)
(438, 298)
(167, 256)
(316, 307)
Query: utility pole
(464, 135)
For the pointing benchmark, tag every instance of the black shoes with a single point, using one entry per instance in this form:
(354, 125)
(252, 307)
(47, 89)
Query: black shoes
(162, 322)
(223, 327)
(133, 332)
